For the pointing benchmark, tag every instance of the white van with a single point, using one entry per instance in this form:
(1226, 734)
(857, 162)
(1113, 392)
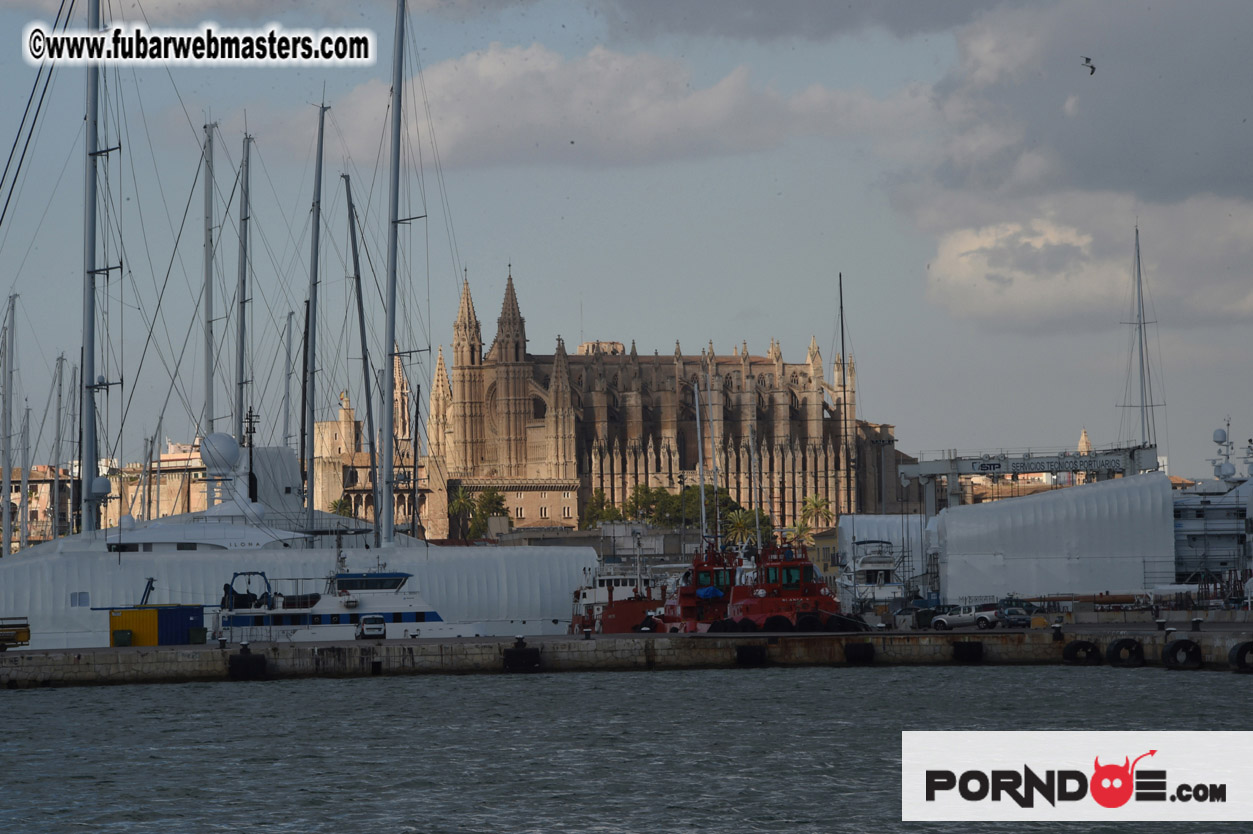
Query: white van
(371, 627)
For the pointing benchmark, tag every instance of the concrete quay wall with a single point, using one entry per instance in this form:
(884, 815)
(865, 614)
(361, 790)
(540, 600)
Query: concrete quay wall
(70, 667)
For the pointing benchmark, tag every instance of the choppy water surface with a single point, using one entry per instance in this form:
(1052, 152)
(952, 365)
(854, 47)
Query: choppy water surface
(753, 750)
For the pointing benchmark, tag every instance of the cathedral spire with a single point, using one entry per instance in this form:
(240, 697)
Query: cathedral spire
(467, 343)
(510, 344)
(560, 380)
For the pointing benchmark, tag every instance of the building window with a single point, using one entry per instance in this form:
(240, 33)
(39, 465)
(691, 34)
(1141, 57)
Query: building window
(543, 512)
(80, 599)
(518, 494)
(517, 512)
(566, 512)
(565, 495)
(543, 495)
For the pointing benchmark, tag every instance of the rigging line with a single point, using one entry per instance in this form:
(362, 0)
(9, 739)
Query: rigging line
(182, 104)
(165, 212)
(256, 149)
(23, 125)
(22, 175)
(445, 202)
(174, 376)
(52, 387)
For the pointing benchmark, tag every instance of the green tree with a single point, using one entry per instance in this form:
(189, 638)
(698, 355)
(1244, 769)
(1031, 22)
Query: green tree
(741, 526)
(490, 504)
(599, 509)
(817, 510)
(801, 533)
(341, 506)
(460, 507)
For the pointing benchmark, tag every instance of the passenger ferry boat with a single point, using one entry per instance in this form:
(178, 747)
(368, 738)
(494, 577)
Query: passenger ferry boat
(253, 609)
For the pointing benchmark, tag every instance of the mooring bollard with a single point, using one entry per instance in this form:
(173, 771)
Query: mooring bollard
(1161, 624)
(1170, 633)
(1196, 623)
(587, 634)
(1057, 632)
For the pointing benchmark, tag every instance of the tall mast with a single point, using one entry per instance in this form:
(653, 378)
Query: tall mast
(56, 454)
(713, 440)
(24, 517)
(1141, 343)
(848, 448)
(88, 502)
(700, 460)
(6, 430)
(387, 498)
(241, 293)
(365, 352)
(287, 385)
(311, 328)
(207, 420)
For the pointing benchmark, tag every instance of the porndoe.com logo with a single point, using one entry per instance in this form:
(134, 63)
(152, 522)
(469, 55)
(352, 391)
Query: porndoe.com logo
(1035, 775)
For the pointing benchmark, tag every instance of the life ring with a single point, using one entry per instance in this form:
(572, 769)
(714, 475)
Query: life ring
(1182, 654)
(1238, 657)
(1126, 653)
(1081, 653)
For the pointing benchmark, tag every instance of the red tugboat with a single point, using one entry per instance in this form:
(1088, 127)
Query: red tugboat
(776, 589)
(702, 596)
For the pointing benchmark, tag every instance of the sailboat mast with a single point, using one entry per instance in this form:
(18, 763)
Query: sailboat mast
(56, 454)
(713, 440)
(87, 468)
(700, 459)
(387, 498)
(241, 334)
(287, 384)
(311, 326)
(365, 351)
(1140, 345)
(207, 421)
(6, 429)
(848, 448)
(24, 516)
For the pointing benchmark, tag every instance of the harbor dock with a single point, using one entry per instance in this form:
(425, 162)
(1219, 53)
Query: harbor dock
(1226, 647)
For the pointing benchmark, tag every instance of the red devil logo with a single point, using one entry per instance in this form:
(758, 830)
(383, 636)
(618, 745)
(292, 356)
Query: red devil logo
(1111, 785)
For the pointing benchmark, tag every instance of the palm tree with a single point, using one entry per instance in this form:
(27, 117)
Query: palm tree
(802, 533)
(341, 506)
(741, 526)
(460, 506)
(816, 510)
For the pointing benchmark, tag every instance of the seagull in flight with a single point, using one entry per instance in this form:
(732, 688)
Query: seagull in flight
(1087, 62)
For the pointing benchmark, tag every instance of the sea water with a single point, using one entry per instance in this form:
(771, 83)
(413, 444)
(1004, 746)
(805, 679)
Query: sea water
(740, 750)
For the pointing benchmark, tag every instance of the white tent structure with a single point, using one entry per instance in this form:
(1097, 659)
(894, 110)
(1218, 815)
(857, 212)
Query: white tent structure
(1112, 536)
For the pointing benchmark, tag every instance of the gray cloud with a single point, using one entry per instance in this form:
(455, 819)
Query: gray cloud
(755, 20)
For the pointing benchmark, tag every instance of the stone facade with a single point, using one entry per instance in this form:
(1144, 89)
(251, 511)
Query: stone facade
(548, 430)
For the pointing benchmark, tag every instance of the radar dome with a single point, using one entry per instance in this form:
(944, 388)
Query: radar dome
(100, 487)
(220, 453)
(1220, 435)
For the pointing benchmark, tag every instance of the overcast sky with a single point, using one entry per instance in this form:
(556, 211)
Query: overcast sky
(660, 170)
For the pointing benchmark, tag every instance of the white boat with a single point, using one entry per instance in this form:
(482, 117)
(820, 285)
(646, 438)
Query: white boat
(872, 577)
(256, 607)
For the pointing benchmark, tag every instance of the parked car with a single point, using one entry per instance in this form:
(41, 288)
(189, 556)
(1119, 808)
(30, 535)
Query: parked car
(1013, 618)
(964, 615)
(371, 627)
